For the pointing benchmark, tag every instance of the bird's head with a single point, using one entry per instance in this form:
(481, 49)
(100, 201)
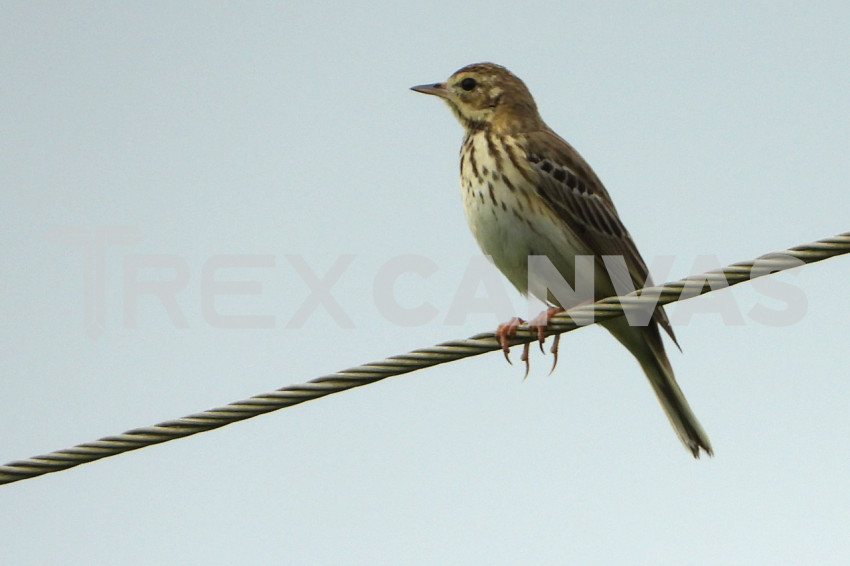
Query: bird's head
(487, 96)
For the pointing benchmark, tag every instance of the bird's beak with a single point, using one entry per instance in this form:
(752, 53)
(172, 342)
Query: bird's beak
(437, 89)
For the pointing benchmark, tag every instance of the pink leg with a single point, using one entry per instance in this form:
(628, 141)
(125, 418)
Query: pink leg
(505, 332)
(539, 323)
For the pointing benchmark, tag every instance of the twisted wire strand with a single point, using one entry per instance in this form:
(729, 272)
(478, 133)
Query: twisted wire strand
(640, 301)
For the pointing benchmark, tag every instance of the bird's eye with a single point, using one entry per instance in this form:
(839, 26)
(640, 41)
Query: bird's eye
(468, 83)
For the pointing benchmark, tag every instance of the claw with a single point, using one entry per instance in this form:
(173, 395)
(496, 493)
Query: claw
(554, 350)
(504, 333)
(524, 358)
(540, 322)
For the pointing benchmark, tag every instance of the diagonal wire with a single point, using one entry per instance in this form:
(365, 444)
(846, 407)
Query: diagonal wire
(637, 302)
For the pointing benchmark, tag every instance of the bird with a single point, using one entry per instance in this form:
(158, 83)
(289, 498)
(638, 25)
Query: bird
(528, 193)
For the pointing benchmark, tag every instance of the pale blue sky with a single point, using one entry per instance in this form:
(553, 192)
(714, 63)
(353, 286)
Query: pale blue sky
(270, 131)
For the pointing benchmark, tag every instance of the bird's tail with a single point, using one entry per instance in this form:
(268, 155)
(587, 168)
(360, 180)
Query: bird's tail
(685, 423)
(646, 345)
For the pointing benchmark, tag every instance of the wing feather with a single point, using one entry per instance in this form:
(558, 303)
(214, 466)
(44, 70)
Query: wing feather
(570, 188)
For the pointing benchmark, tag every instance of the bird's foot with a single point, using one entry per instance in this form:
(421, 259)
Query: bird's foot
(539, 324)
(505, 332)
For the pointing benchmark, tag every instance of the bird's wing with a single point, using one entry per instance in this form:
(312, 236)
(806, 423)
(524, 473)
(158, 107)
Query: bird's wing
(570, 187)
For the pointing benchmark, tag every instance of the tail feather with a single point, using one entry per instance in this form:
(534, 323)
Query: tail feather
(675, 406)
(645, 344)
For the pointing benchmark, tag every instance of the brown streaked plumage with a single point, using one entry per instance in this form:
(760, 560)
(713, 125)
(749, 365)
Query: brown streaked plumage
(527, 192)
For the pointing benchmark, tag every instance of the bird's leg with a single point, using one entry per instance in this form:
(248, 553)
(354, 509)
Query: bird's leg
(539, 323)
(505, 332)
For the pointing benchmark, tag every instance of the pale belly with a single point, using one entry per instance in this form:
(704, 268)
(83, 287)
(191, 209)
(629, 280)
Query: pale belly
(510, 228)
